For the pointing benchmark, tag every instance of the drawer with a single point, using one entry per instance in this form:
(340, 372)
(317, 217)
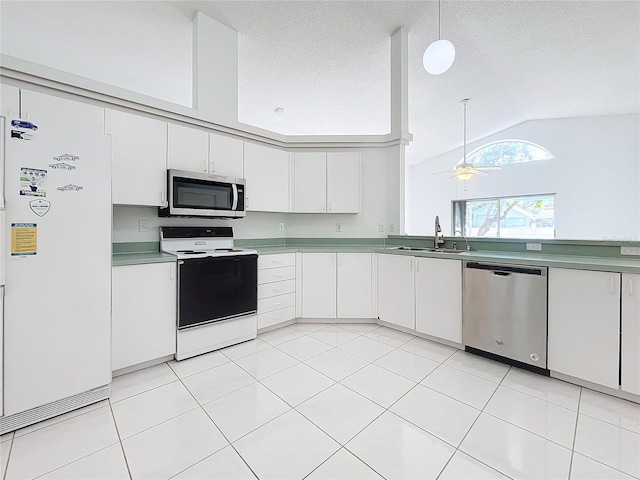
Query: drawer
(267, 290)
(277, 316)
(276, 260)
(276, 274)
(275, 303)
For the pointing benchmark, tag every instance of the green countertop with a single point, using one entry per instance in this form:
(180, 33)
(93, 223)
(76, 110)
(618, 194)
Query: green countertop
(607, 264)
(139, 258)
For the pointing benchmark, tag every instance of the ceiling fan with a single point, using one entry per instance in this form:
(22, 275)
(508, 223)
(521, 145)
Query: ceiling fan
(465, 170)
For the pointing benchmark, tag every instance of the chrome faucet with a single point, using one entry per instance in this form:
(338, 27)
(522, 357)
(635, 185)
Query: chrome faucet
(438, 239)
(465, 239)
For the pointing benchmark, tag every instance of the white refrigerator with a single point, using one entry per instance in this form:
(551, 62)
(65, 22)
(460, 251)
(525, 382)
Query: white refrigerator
(56, 258)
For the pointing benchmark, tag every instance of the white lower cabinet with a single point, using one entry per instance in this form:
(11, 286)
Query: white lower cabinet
(584, 325)
(336, 285)
(143, 313)
(630, 358)
(276, 289)
(396, 290)
(319, 285)
(438, 284)
(354, 282)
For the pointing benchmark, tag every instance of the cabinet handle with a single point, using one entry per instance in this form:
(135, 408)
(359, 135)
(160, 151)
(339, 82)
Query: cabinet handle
(323, 207)
(277, 304)
(611, 285)
(630, 286)
(172, 272)
(411, 265)
(278, 274)
(339, 259)
(276, 262)
(417, 266)
(212, 167)
(204, 165)
(162, 196)
(333, 260)
(330, 206)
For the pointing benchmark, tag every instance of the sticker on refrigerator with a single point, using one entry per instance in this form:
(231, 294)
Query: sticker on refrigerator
(33, 182)
(66, 157)
(24, 239)
(22, 129)
(62, 166)
(40, 207)
(70, 188)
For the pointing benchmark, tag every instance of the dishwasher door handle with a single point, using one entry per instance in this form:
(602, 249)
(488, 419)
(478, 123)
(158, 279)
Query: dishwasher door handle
(499, 273)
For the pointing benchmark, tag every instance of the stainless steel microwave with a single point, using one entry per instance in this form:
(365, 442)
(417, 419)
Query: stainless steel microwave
(192, 194)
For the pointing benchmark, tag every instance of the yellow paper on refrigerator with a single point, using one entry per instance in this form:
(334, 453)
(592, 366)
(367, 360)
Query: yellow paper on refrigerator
(24, 239)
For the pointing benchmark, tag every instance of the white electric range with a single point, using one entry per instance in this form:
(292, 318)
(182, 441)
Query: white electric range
(217, 296)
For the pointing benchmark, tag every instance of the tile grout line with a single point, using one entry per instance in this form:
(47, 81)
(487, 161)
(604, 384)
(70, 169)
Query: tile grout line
(457, 448)
(575, 433)
(124, 454)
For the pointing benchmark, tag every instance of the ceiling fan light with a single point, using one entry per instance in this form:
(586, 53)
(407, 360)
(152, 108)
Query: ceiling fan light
(439, 56)
(464, 176)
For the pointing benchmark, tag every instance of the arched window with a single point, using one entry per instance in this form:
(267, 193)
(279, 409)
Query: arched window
(507, 152)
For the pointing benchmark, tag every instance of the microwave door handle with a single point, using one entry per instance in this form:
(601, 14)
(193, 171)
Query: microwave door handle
(234, 206)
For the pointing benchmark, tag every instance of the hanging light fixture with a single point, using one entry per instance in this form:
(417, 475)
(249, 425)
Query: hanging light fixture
(464, 170)
(439, 56)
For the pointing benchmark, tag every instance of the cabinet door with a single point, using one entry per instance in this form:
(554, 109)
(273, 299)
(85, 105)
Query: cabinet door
(439, 298)
(139, 153)
(319, 285)
(343, 182)
(310, 182)
(187, 148)
(266, 171)
(226, 156)
(354, 285)
(396, 303)
(584, 325)
(143, 313)
(631, 333)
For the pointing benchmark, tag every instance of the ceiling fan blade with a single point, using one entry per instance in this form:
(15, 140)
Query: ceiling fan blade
(489, 168)
(481, 172)
(439, 173)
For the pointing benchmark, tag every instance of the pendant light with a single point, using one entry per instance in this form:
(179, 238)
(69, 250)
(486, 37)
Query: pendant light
(439, 56)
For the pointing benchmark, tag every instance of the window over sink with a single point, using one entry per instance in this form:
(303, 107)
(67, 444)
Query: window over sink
(530, 216)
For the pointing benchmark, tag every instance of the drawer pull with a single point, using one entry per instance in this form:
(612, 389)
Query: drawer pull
(278, 274)
(276, 261)
(277, 304)
(276, 290)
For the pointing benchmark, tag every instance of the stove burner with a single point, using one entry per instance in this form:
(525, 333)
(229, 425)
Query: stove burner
(227, 250)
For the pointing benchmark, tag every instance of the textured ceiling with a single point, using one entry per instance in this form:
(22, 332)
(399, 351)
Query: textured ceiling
(327, 62)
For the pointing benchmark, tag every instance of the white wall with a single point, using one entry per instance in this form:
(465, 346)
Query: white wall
(595, 176)
(141, 46)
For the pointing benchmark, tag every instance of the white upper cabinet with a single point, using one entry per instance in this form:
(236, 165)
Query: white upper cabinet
(354, 285)
(326, 182)
(319, 285)
(343, 182)
(187, 149)
(396, 303)
(439, 298)
(631, 333)
(9, 102)
(584, 325)
(266, 170)
(226, 156)
(139, 155)
(310, 182)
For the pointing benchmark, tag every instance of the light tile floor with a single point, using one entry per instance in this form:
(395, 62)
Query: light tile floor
(342, 401)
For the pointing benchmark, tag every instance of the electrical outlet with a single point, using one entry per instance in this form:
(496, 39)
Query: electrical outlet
(537, 247)
(381, 227)
(143, 226)
(392, 228)
(281, 227)
(629, 250)
(338, 227)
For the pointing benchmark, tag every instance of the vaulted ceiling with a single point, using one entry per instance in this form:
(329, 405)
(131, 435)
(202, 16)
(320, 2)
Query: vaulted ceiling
(326, 63)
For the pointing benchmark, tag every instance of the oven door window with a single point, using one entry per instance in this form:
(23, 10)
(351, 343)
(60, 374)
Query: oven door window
(217, 288)
(202, 194)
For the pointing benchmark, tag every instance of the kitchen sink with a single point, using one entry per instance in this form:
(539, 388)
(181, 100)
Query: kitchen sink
(431, 249)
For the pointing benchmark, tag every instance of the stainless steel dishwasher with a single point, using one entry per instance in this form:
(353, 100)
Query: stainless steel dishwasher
(504, 311)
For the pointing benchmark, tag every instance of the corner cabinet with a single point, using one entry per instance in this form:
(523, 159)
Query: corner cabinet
(396, 290)
(143, 313)
(266, 170)
(630, 355)
(584, 325)
(139, 155)
(326, 182)
(438, 284)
